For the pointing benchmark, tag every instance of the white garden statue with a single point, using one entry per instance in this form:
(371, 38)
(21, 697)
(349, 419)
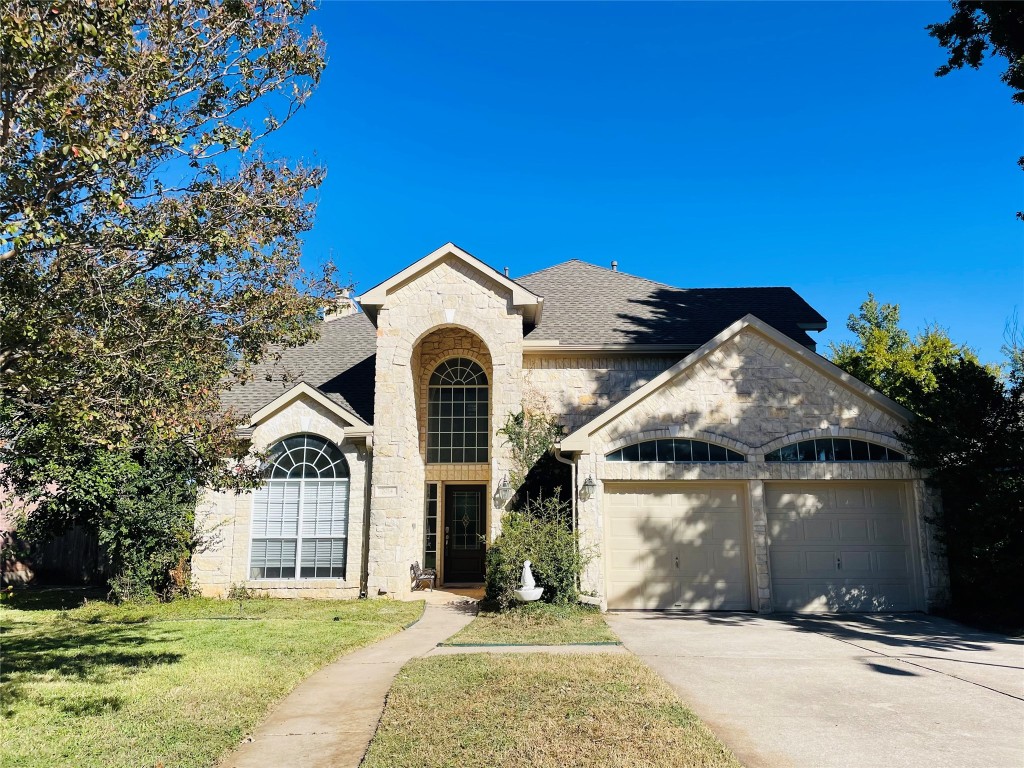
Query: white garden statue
(528, 590)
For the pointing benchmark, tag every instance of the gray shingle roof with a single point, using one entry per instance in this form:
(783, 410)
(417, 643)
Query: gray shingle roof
(341, 364)
(583, 304)
(587, 304)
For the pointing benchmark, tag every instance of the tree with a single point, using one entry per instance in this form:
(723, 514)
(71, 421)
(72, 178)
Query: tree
(968, 440)
(148, 249)
(980, 28)
(887, 358)
(966, 437)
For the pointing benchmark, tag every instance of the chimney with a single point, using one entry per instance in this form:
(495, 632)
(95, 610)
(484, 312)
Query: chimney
(615, 266)
(344, 306)
(506, 271)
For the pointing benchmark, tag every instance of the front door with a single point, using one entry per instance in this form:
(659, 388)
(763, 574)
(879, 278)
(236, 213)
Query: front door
(464, 529)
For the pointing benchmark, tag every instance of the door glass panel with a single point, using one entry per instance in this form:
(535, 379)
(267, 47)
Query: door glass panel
(466, 520)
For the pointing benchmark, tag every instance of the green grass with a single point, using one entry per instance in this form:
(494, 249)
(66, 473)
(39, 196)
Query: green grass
(539, 710)
(537, 624)
(177, 683)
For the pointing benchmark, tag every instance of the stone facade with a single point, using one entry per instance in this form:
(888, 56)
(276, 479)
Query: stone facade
(227, 517)
(447, 308)
(579, 387)
(751, 395)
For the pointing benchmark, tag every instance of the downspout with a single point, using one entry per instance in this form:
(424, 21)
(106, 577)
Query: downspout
(572, 468)
(364, 565)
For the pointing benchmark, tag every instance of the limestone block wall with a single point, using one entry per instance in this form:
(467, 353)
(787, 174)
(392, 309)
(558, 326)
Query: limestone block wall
(227, 517)
(448, 295)
(579, 387)
(752, 396)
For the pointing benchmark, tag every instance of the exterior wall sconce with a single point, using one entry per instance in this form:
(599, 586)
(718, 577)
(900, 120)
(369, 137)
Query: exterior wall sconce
(504, 492)
(587, 489)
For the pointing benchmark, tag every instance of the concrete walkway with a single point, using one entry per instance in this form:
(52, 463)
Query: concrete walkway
(830, 692)
(330, 718)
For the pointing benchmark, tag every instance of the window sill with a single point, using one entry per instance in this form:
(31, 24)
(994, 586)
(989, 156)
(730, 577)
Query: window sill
(321, 581)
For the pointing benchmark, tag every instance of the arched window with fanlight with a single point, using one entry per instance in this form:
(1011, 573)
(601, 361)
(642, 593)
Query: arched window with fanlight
(300, 514)
(457, 407)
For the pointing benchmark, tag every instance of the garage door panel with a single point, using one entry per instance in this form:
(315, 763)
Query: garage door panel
(852, 554)
(885, 497)
(796, 502)
(787, 563)
(816, 529)
(857, 563)
(852, 529)
(850, 497)
(893, 562)
(729, 528)
(694, 540)
(890, 529)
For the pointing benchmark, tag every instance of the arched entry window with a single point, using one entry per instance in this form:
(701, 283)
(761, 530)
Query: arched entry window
(300, 515)
(457, 413)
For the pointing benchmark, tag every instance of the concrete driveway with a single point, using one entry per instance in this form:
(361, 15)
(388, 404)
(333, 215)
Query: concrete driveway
(858, 691)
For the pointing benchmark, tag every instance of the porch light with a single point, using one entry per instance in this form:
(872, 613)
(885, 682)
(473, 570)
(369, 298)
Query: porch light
(504, 492)
(587, 489)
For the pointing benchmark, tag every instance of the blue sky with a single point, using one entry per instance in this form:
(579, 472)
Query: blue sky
(699, 144)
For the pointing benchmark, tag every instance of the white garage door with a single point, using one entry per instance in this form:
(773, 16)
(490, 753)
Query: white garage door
(678, 545)
(840, 547)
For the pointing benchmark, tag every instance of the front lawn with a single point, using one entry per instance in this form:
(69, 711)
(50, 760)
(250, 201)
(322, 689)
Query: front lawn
(538, 711)
(536, 624)
(174, 684)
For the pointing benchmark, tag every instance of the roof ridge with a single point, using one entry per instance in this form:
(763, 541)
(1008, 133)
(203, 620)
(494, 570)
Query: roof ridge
(658, 282)
(545, 269)
(604, 269)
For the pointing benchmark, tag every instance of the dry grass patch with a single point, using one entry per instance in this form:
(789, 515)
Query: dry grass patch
(537, 624)
(539, 711)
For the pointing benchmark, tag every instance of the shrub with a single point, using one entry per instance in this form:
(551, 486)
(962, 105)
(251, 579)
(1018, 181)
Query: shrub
(140, 505)
(539, 533)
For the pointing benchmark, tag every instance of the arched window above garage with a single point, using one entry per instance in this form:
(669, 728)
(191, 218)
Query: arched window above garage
(676, 451)
(834, 449)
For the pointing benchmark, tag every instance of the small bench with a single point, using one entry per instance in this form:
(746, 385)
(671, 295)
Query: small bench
(422, 576)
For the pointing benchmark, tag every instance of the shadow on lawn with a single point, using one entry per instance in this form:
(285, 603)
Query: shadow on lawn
(83, 652)
(53, 598)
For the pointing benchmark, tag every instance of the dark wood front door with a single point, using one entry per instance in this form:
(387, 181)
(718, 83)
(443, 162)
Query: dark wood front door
(465, 521)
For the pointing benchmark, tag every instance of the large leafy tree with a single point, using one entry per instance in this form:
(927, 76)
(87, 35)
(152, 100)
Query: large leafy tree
(889, 358)
(148, 248)
(968, 439)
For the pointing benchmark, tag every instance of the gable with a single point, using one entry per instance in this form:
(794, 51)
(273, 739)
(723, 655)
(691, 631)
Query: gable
(451, 255)
(750, 385)
(304, 393)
